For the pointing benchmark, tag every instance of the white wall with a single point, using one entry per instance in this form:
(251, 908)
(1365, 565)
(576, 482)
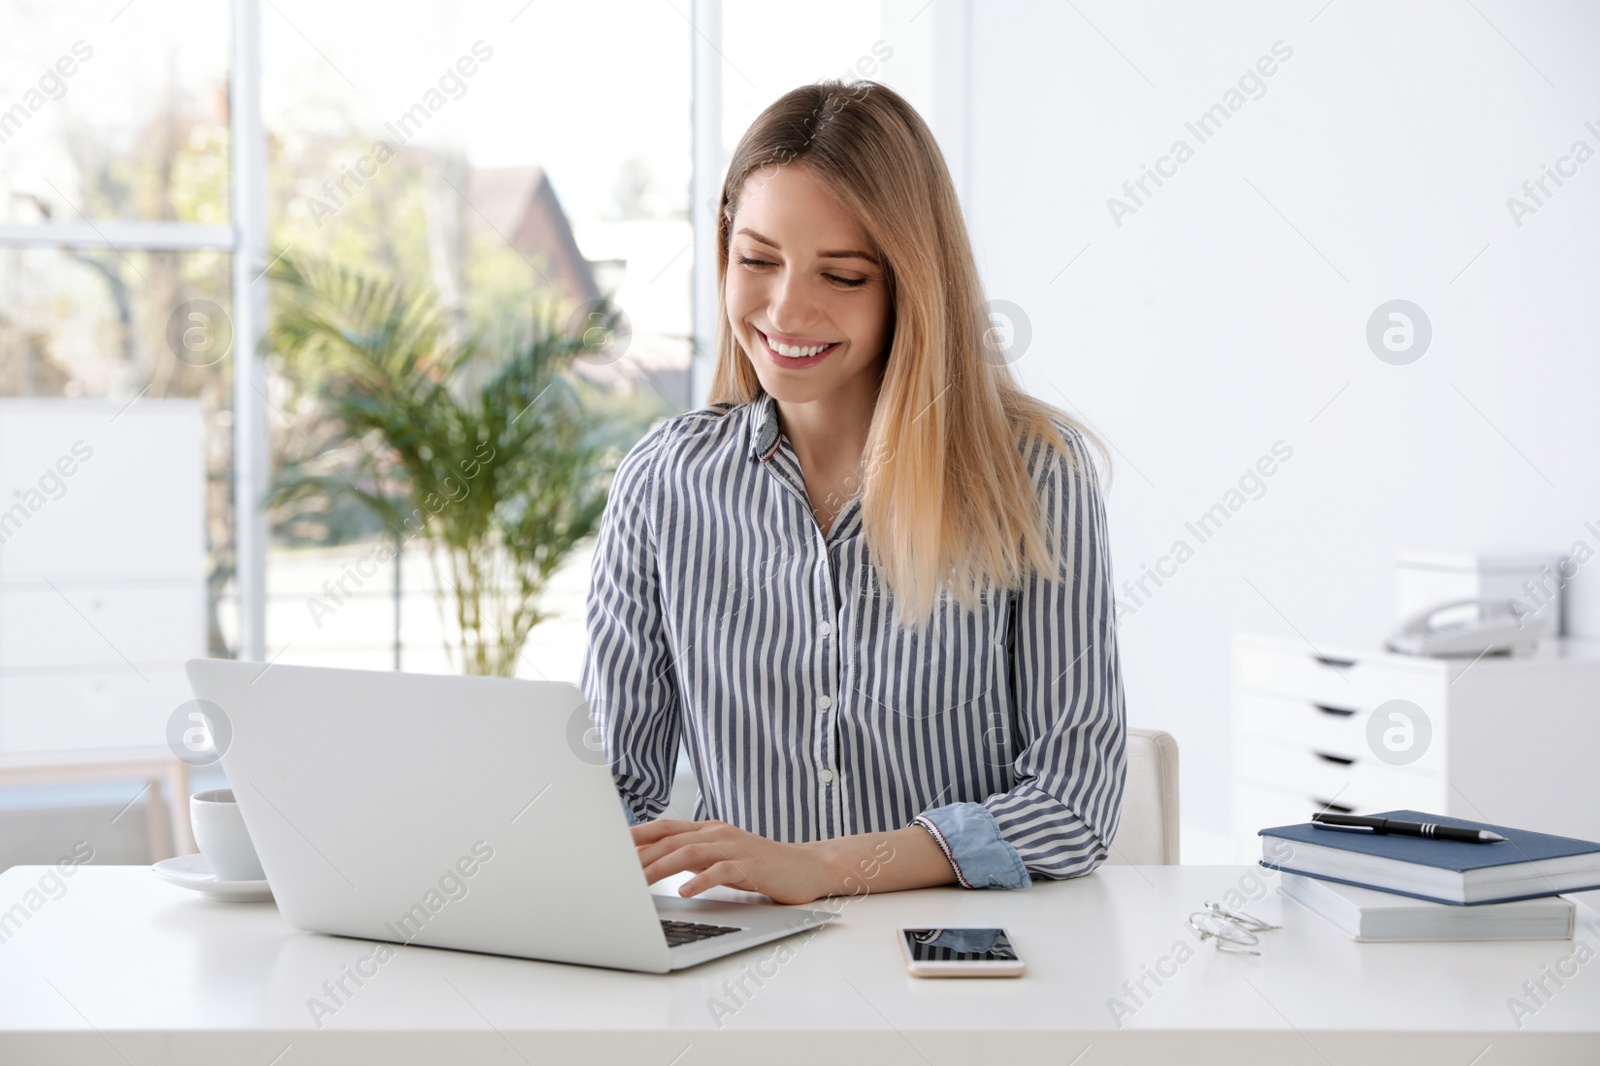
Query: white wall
(1229, 311)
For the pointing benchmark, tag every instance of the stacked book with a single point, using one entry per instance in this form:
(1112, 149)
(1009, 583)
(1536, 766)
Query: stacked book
(1376, 885)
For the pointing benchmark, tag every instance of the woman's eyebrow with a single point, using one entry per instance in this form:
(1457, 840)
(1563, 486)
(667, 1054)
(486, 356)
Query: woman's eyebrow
(842, 254)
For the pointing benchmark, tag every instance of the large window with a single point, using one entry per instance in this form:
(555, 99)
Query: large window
(114, 212)
(498, 159)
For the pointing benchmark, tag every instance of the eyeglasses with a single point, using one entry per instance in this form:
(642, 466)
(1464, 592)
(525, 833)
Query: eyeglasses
(1234, 932)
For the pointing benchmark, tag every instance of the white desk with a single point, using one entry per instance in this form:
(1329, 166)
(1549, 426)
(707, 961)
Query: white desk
(125, 968)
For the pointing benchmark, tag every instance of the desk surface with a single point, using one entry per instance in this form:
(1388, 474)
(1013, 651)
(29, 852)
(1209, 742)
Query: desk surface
(124, 967)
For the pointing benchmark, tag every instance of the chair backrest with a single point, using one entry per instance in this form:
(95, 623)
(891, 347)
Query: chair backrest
(1148, 832)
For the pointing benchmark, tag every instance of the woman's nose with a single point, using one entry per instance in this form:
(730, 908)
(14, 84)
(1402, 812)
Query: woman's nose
(792, 310)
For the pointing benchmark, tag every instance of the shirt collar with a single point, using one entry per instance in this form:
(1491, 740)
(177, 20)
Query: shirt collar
(762, 416)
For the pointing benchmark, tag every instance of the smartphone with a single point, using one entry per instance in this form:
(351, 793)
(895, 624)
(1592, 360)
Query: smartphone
(959, 953)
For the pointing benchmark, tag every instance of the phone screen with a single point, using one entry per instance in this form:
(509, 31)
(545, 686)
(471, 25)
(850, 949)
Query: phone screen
(959, 945)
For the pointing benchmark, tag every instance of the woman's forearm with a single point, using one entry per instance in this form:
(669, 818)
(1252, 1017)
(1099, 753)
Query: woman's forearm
(894, 861)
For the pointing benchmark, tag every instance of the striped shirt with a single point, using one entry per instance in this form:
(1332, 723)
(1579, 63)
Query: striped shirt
(719, 613)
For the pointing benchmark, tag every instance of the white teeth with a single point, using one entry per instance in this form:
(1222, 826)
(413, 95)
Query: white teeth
(796, 353)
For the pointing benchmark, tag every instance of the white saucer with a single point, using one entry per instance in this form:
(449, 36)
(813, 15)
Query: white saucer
(192, 871)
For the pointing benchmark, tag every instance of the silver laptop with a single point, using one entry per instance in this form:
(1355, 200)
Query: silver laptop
(453, 812)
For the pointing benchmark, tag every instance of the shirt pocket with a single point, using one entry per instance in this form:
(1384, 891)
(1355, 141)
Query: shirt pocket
(949, 677)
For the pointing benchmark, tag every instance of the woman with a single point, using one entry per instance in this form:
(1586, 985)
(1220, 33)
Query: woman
(870, 577)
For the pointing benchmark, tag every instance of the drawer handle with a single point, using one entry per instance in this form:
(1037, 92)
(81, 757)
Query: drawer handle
(1329, 805)
(1342, 712)
(1328, 660)
(1342, 760)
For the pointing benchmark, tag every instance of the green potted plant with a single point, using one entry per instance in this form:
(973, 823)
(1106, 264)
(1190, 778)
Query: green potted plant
(488, 448)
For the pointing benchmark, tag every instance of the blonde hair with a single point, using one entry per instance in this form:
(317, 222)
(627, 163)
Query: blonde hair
(948, 501)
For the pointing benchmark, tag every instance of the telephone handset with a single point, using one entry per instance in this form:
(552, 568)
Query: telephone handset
(1497, 627)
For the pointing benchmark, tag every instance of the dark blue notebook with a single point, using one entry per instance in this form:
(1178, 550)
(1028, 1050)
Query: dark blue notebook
(1521, 847)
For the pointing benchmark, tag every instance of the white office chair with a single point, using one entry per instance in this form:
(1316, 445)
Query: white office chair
(1148, 833)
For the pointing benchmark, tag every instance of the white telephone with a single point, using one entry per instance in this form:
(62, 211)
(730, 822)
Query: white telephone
(1497, 627)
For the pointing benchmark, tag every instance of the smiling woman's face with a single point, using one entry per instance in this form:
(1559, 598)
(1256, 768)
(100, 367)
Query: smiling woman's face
(801, 275)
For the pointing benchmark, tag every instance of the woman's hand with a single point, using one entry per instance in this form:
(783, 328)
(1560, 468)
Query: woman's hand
(722, 854)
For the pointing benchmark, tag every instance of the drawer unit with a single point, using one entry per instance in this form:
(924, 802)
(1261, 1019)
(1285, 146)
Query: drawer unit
(1259, 806)
(1502, 738)
(1326, 779)
(1358, 684)
(69, 626)
(1325, 729)
(102, 574)
(99, 490)
(68, 713)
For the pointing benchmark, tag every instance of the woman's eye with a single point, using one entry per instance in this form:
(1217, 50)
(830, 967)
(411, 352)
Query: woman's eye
(849, 283)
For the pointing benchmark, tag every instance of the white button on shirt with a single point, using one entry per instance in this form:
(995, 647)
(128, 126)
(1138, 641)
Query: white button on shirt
(999, 729)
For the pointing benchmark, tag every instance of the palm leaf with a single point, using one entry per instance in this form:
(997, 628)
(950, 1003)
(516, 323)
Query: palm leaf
(503, 477)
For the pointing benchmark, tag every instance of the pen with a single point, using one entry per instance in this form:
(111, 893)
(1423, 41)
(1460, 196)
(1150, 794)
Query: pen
(1411, 829)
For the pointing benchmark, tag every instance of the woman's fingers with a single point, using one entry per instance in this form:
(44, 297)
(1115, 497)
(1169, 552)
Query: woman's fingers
(695, 857)
(721, 873)
(721, 854)
(649, 832)
(690, 833)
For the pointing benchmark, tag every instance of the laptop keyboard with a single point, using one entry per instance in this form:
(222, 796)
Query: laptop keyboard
(680, 933)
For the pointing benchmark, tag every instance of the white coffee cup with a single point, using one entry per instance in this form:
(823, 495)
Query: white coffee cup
(219, 831)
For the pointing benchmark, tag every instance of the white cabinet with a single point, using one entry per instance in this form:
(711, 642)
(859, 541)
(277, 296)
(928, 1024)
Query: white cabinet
(102, 574)
(56, 713)
(100, 624)
(1499, 739)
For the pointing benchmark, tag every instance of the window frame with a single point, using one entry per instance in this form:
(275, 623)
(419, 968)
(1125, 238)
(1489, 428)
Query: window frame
(245, 239)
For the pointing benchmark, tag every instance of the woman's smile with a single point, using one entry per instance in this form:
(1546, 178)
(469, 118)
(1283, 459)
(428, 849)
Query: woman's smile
(797, 356)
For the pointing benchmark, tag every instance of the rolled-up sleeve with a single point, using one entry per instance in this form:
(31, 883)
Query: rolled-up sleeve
(628, 678)
(970, 838)
(1068, 713)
